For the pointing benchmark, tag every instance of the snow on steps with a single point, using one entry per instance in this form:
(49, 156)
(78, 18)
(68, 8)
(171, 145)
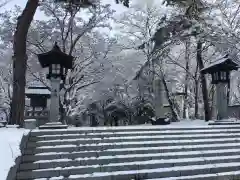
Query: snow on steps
(66, 170)
(127, 130)
(127, 144)
(121, 158)
(140, 149)
(72, 134)
(150, 152)
(157, 172)
(215, 176)
(128, 140)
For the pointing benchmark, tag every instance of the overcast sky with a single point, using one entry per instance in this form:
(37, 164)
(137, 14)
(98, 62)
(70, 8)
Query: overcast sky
(119, 8)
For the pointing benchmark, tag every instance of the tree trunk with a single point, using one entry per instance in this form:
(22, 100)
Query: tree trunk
(204, 82)
(196, 100)
(186, 79)
(174, 114)
(20, 61)
(196, 97)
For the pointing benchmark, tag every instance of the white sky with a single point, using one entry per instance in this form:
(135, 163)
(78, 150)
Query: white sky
(118, 7)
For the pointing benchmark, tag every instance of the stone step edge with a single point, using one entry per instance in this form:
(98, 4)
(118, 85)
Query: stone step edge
(128, 136)
(137, 138)
(131, 150)
(204, 153)
(178, 170)
(39, 166)
(136, 128)
(231, 175)
(162, 172)
(197, 136)
(146, 147)
(128, 143)
(170, 131)
(215, 176)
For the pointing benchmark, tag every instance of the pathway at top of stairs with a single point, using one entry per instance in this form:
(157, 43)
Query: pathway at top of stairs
(135, 152)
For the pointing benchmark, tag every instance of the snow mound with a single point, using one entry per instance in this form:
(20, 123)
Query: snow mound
(10, 139)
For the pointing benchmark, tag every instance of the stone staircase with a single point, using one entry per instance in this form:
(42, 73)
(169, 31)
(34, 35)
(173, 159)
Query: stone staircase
(136, 152)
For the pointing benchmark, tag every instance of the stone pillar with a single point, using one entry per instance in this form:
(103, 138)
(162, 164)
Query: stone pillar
(158, 89)
(54, 107)
(54, 104)
(214, 104)
(222, 104)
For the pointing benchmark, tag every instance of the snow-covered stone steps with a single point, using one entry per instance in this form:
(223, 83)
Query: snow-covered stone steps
(128, 144)
(127, 129)
(149, 147)
(114, 163)
(40, 137)
(146, 173)
(128, 152)
(232, 175)
(137, 138)
(94, 158)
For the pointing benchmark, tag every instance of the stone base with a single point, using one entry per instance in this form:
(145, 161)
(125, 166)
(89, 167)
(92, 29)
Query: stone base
(30, 124)
(53, 125)
(225, 122)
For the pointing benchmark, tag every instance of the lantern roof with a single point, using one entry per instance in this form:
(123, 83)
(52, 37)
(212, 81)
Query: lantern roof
(224, 64)
(56, 56)
(34, 91)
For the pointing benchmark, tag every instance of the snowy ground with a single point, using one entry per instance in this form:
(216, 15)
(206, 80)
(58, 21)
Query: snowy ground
(10, 139)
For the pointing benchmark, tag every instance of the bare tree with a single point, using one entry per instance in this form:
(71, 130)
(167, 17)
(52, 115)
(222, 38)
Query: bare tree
(77, 38)
(20, 59)
(186, 83)
(4, 2)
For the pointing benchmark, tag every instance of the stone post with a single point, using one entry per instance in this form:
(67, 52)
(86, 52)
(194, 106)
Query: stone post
(54, 106)
(222, 104)
(158, 98)
(214, 104)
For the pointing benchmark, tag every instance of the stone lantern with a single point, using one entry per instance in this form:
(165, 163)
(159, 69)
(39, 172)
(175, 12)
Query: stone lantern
(57, 63)
(38, 96)
(220, 72)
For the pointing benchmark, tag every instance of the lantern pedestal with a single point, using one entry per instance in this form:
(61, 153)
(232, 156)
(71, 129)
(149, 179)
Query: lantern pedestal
(54, 106)
(53, 125)
(222, 102)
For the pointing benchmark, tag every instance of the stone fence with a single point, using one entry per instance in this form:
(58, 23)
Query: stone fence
(40, 115)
